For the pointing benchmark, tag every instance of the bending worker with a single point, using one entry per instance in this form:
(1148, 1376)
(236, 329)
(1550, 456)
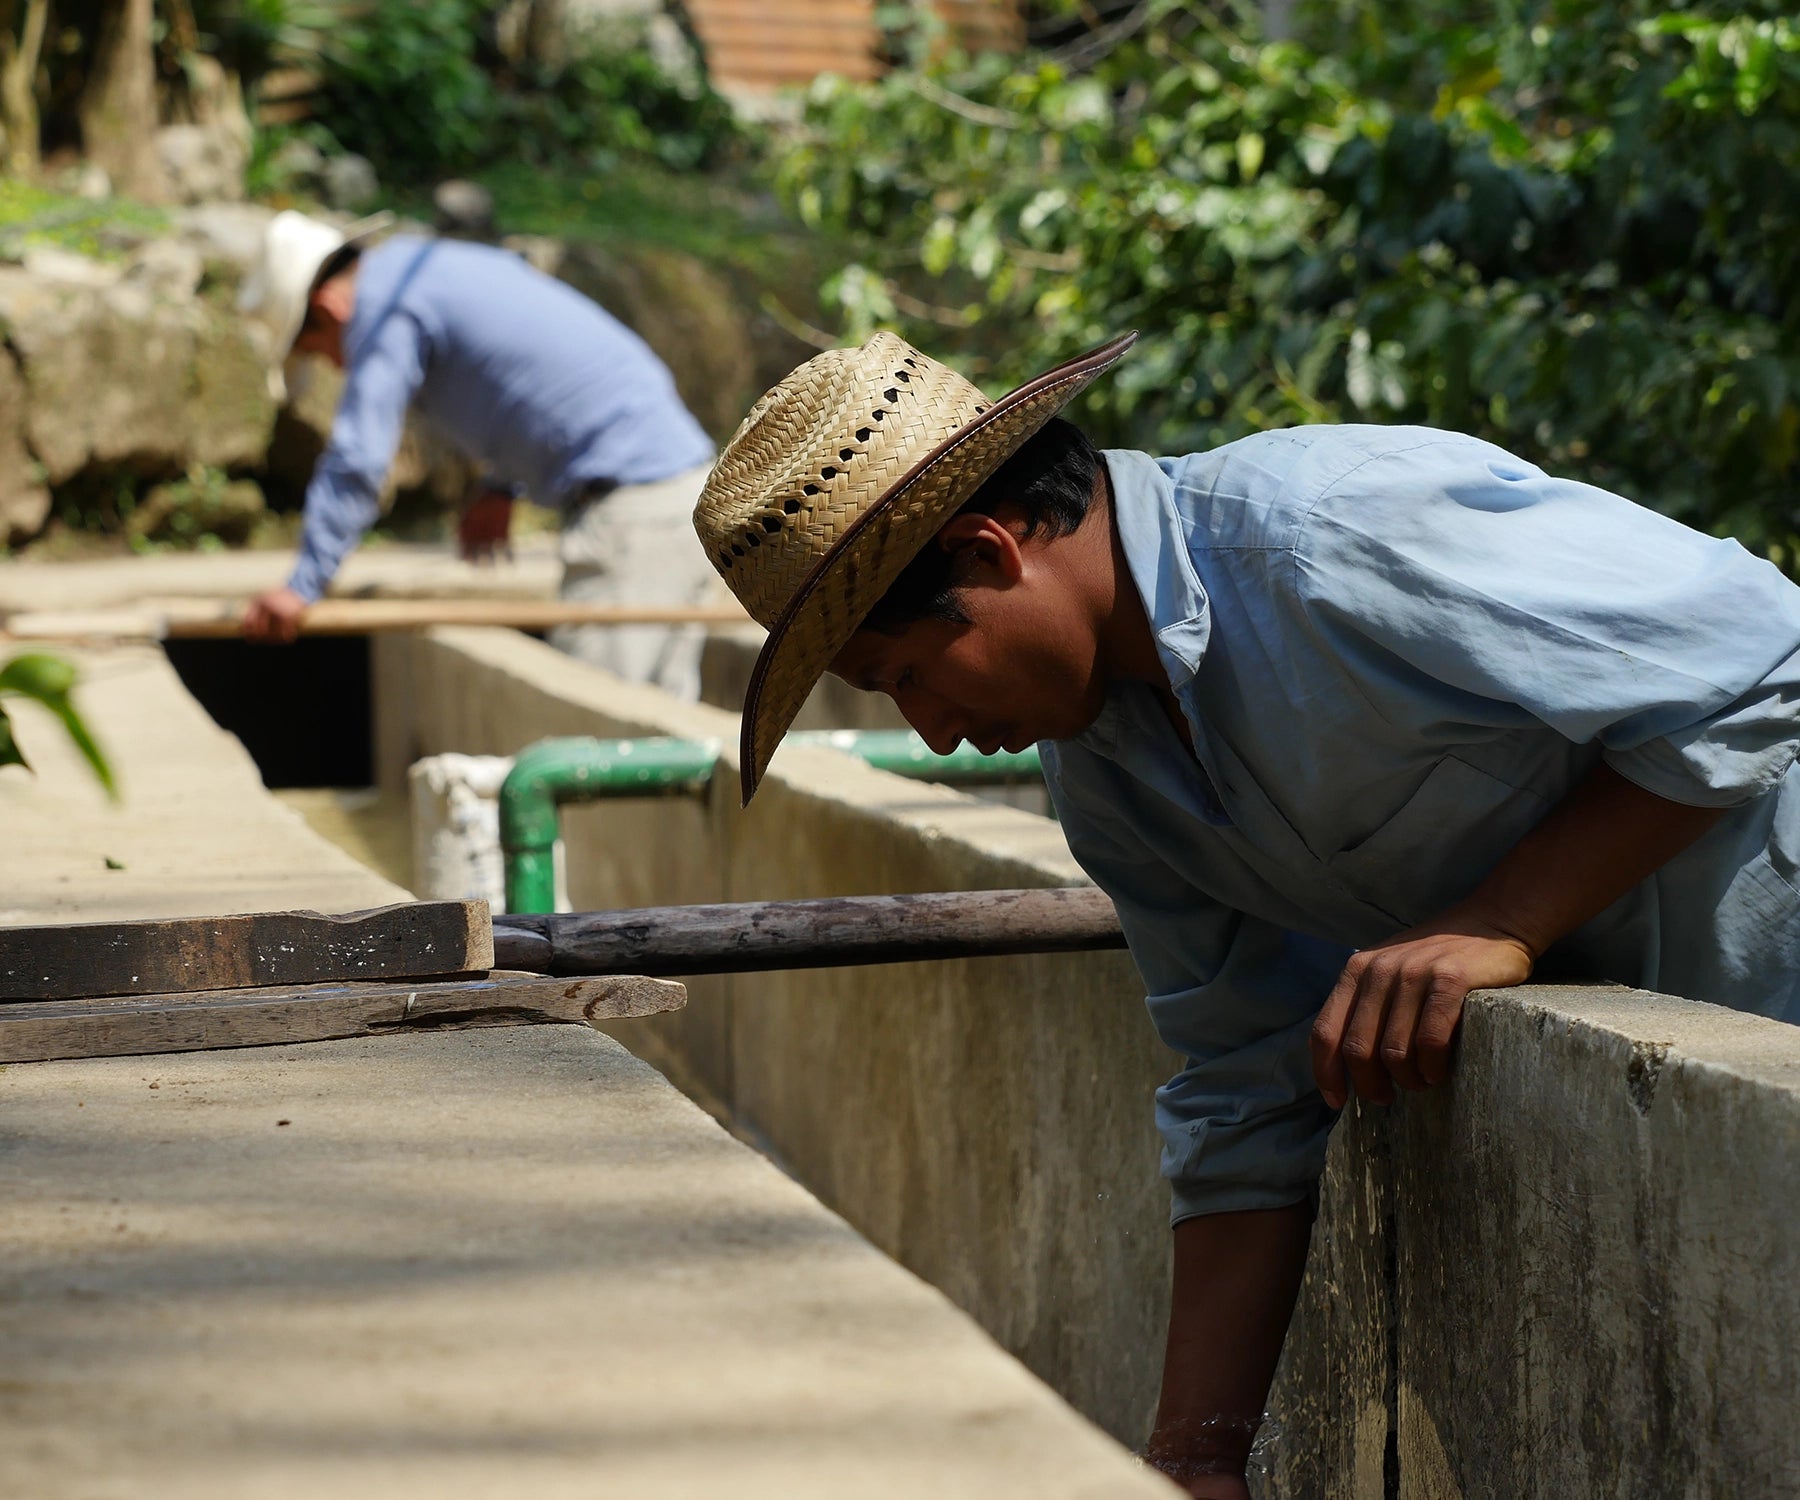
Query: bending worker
(1347, 721)
(541, 388)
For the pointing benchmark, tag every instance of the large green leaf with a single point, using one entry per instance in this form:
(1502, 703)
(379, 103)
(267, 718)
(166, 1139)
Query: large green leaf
(10, 754)
(50, 680)
(38, 676)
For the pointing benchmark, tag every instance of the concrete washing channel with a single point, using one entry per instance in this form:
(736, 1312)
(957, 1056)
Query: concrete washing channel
(519, 1261)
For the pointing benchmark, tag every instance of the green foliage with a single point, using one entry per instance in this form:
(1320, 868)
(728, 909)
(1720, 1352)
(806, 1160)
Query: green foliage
(50, 680)
(402, 85)
(203, 510)
(33, 216)
(614, 100)
(421, 90)
(1562, 226)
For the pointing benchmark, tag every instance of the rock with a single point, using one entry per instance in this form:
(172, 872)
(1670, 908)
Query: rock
(24, 499)
(541, 252)
(350, 183)
(118, 377)
(231, 412)
(166, 268)
(684, 311)
(89, 180)
(66, 268)
(203, 504)
(464, 210)
(229, 236)
(202, 163)
(298, 163)
(107, 379)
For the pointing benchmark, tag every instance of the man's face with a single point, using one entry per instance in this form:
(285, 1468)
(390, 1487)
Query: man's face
(328, 311)
(1024, 668)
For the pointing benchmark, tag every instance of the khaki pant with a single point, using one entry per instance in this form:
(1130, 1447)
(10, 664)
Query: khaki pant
(636, 545)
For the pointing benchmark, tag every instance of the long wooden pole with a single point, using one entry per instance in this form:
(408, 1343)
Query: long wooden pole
(747, 936)
(204, 619)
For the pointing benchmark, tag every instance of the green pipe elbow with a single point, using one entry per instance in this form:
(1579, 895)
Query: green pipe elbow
(580, 769)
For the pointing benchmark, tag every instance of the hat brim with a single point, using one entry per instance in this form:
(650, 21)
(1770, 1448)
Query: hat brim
(876, 547)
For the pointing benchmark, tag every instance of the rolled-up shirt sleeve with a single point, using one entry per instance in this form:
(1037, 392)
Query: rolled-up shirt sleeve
(1452, 562)
(343, 497)
(1242, 1124)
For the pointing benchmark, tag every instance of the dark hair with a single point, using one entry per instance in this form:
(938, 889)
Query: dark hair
(335, 264)
(1050, 481)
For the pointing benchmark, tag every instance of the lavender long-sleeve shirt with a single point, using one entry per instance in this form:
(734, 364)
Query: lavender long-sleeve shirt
(522, 372)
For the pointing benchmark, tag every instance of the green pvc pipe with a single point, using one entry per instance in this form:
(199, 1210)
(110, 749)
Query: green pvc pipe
(580, 769)
(552, 772)
(905, 754)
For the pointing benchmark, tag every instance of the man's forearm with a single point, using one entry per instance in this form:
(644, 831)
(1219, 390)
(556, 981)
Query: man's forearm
(1236, 1277)
(1393, 1013)
(342, 503)
(1594, 846)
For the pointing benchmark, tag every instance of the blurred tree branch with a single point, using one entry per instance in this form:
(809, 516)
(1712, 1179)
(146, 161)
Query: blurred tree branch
(21, 47)
(118, 104)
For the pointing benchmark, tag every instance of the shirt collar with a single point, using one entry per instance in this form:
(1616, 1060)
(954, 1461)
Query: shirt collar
(1154, 540)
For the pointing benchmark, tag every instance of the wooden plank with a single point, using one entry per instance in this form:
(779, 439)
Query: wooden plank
(769, 36)
(208, 619)
(778, 72)
(418, 939)
(747, 936)
(43, 1030)
(708, 13)
(839, 17)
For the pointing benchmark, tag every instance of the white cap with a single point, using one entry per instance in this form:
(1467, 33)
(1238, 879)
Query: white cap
(295, 249)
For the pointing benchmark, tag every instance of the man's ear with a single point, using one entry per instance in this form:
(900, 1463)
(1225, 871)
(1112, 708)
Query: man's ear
(335, 298)
(982, 544)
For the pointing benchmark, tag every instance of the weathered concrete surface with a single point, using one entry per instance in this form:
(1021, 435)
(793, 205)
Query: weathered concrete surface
(1598, 1254)
(1331, 1433)
(729, 657)
(985, 1122)
(391, 571)
(1573, 1271)
(489, 1263)
(477, 1264)
(195, 834)
(24, 498)
(116, 376)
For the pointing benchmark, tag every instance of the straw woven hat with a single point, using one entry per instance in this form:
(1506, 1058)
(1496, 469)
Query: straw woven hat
(836, 480)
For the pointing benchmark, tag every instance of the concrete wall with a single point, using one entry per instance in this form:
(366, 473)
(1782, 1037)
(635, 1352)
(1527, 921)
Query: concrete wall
(1573, 1271)
(984, 1122)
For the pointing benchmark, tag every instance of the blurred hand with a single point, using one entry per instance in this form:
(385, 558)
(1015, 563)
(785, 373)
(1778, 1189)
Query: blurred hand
(273, 618)
(485, 526)
(1393, 1013)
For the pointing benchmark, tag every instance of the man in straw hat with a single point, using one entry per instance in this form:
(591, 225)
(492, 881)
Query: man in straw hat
(1346, 720)
(546, 391)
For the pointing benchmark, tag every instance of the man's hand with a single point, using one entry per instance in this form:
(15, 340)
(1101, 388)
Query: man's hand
(485, 526)
(1393, 1014)
(273, 618)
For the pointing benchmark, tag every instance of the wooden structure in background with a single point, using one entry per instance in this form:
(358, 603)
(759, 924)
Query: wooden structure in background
(750, 44)
(765, 44)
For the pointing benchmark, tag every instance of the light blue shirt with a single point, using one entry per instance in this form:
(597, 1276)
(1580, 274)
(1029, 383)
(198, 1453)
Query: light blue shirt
(524, 374)
(1397, 649)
